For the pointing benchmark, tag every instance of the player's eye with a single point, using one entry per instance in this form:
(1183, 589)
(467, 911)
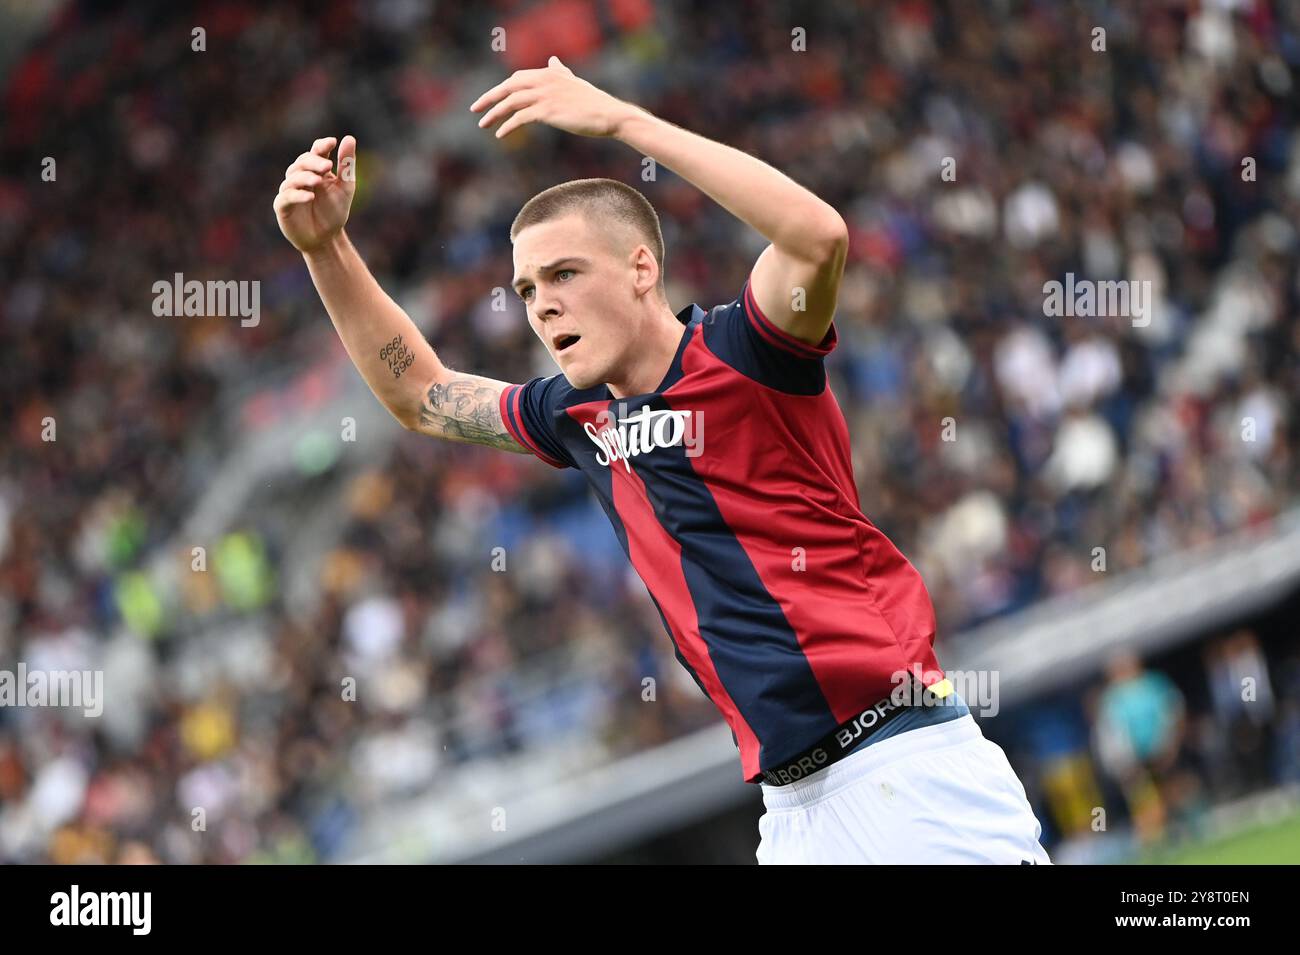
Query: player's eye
(559, 275)
(525, 292)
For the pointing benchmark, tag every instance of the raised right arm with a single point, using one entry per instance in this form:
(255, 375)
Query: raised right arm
(386, 347)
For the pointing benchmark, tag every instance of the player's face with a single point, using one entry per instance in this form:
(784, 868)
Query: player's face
(578, 289)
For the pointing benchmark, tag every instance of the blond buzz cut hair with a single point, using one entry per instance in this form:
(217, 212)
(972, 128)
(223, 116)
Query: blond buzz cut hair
(599, 201)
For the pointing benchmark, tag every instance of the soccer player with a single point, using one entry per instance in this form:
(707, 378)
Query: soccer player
(721, 457)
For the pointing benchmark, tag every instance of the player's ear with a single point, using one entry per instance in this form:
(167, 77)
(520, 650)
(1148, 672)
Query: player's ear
(646, 268)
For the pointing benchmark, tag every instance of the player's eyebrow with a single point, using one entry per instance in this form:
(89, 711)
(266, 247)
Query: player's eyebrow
(551, 267)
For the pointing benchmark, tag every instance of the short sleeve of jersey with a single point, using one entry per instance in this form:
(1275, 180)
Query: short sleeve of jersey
(528, 411)
(747, 340)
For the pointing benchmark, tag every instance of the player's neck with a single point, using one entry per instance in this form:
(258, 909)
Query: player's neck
(657, 343)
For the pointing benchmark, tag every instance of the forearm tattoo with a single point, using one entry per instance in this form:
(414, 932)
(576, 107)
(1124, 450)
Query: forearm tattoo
(398, 355)
(466, 408)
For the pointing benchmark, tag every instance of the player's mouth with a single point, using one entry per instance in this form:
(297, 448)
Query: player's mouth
(563, 343)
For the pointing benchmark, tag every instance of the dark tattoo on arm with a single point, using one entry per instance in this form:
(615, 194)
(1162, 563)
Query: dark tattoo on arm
(466, 408)
(398, 355)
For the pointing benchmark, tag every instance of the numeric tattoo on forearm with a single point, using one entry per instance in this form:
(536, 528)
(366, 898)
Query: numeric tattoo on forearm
(398, 355)
(466, 409)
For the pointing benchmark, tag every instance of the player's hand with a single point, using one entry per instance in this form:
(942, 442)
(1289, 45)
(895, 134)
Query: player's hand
(313, 202)
(552, 95)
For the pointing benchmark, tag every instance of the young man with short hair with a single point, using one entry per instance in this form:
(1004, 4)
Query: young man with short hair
(722, 459)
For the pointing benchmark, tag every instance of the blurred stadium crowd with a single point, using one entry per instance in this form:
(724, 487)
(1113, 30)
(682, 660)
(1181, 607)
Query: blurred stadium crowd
(1071, 433)
(1160, 751)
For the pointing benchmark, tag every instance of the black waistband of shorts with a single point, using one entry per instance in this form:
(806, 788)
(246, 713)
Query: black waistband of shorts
(848, 736)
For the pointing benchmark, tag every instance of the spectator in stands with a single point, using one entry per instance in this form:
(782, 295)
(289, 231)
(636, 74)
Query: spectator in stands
(1139, 730)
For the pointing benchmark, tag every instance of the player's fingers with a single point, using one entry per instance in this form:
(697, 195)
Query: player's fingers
(321, 164)
(520, 79)
(317, 164)
(513, 102)
(491, 96)
(301, 179)
(292, 197)
(521, 118)
(323, 146)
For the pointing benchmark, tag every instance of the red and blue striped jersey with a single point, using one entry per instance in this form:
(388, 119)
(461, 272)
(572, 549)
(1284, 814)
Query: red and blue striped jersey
(731, 490)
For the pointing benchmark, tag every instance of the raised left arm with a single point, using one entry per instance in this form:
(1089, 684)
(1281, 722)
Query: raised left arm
(796, 278)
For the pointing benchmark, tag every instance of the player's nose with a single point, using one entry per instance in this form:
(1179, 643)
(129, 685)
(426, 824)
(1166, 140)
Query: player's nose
(547, 308)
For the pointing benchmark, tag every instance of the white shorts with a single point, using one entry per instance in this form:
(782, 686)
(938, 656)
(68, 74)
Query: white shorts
(934, 794)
